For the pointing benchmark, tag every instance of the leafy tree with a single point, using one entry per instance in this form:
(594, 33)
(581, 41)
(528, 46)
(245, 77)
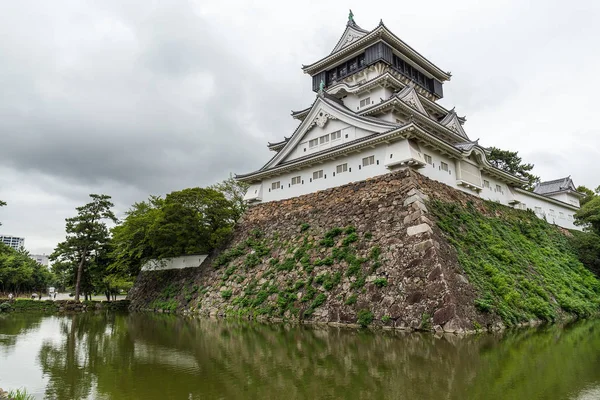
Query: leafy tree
(234, 191)
(189, 221)
(19, 273)
(589, 215)
(510, 162)
(589, 194)
(87, 238)
(131, 240)
(587, 245)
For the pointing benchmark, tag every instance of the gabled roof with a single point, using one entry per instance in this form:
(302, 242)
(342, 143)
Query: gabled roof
(381, 32)
(352, 33)
(410, 97)
(324, 108)
(452, 122)
(394, 100)
(556, 186)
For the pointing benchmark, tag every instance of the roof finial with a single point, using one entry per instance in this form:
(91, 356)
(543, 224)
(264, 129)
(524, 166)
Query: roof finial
(351, 17)
(321, 86)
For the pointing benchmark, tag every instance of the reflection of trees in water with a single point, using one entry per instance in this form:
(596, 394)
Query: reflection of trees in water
(13, 326)
(158, 356)
(72, 364)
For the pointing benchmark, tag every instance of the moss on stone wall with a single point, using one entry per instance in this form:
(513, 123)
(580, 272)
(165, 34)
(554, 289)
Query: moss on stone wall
(523, 267)
(399, 251)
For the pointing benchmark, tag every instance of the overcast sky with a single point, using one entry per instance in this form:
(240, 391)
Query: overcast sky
(132, 98)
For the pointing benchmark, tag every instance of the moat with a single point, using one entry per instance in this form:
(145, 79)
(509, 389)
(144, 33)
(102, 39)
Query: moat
(149, 356)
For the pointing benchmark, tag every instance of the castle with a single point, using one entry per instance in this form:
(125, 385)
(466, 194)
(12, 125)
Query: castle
(376, 111)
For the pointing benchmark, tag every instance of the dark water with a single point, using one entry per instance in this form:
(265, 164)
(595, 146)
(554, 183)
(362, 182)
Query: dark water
(142, 356)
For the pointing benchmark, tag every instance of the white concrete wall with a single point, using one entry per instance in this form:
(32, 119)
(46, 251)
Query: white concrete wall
(349, 133)
(355, 173)
(551, 211)
(175, 263)
(352, 101)
(433, 171)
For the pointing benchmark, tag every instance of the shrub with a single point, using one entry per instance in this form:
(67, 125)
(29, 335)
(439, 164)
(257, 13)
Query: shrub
(351, 300)
(5, 307)
(304, 227)
(226, 294)
(425, 322)
(252, 260)
(287, 265)
(385, 319)
(364, 318)
(349, 230)
(380, 282)
(226, 256)
(351, 238)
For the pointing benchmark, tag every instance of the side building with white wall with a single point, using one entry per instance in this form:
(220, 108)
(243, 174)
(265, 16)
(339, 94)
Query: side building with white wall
(376, 111)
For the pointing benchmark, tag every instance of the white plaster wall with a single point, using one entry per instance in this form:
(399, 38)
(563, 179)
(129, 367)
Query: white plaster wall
(504, 196)
(349, 133)
(355, 173)
(175, 263)
(352, 101)
(433, 171)
(532, 202)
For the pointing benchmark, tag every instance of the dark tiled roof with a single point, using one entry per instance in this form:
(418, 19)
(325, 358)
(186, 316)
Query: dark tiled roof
(557, 185)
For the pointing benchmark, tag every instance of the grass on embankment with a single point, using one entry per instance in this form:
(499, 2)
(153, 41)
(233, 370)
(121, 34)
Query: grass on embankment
(523, 267)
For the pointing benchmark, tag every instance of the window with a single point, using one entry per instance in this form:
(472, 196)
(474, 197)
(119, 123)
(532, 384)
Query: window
(486, 184)
(313, 143)
(569, 217)
(551, 212)
(276, 185)
(561, 215)
(336, 135)
(538, 210)
(498, 188)
(428, 159)
(324, 139)
(444, 166)
(365, 102)
(318, 174)
(341, 168)
(296, 180)
(368, 161)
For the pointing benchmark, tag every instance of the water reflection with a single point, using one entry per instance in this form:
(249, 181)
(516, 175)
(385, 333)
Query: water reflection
(141, 356)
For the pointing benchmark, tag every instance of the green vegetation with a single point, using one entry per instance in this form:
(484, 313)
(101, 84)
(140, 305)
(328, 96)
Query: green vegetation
(19, 273)
(510, 162)
(380, 282)
(189, 221)
(305, 290)
(20, 394)
(425, 322)
(385, 319)
(351, 300)
(364, 318)
(522, 267)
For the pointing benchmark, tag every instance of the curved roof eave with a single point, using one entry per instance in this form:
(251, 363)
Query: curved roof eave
(380, 32)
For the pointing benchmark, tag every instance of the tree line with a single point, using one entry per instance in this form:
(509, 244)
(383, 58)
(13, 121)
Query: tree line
(96, 259)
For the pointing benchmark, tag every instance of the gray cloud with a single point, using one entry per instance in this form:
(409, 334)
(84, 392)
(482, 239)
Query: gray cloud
(145, 97)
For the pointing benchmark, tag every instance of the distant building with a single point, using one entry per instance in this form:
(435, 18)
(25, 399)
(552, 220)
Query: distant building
(12, 241)
(40, 258)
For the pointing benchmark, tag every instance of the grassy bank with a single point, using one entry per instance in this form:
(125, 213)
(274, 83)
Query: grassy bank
(523, 267)
(49, 306)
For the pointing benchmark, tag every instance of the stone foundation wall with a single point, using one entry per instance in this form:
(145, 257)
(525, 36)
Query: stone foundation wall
(401, 272)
